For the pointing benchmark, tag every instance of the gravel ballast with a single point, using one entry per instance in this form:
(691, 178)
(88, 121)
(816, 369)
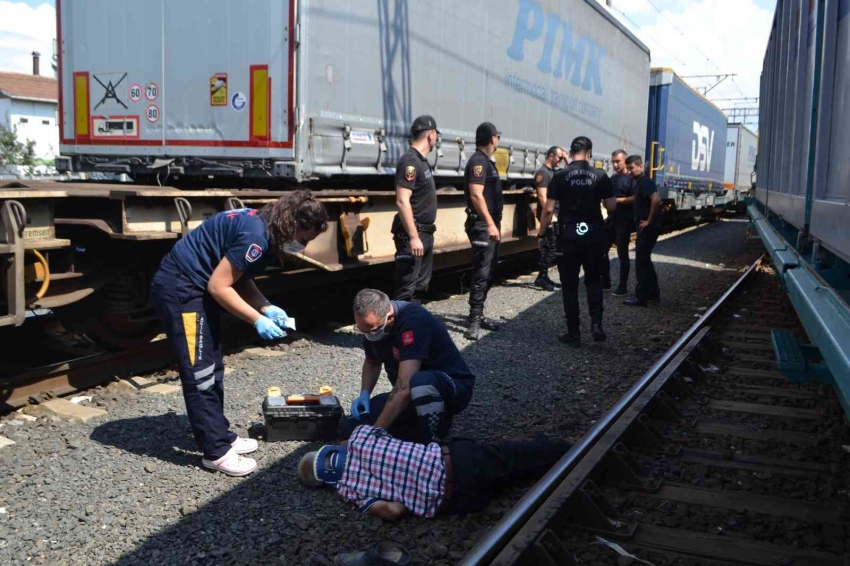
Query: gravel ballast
(128, 488)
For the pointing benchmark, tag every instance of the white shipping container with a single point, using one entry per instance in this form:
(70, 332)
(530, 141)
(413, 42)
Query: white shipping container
(305, 89)
(741, 150)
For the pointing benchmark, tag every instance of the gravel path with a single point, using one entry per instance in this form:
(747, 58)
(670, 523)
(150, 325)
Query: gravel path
(127, 489)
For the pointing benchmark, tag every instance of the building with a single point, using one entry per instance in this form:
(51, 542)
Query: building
(30, 104)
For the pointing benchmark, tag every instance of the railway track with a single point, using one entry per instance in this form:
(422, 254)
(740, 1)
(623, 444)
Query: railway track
(713, 457)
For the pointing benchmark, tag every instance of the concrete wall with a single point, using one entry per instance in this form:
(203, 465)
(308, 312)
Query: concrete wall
(35, 121)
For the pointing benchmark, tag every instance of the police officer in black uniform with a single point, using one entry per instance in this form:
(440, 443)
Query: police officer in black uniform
(483, 190)
(649, 220)
(548, 244)
(620, 225)
(416, 197)
(578, 190)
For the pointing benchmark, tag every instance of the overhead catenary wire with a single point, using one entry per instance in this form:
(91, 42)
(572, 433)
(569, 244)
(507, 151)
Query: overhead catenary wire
(656, 42)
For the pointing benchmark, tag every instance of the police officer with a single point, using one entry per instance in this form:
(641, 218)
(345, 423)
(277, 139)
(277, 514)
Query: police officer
(648, 218)
(210, 270)
(620, 225)
(483, 190)
(431, 381)
(416, 198)
(578, 190)
(548, 245)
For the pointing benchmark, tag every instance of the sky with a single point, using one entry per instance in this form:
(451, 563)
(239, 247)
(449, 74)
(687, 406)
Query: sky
(694, 37)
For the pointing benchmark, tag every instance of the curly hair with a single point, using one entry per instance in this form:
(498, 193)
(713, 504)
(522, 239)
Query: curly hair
(296, 210)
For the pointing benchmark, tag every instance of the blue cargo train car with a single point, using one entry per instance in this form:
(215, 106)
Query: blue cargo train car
(803, 189)
(686, 148)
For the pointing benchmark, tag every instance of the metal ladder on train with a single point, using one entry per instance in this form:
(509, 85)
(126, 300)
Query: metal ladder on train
(13, 219)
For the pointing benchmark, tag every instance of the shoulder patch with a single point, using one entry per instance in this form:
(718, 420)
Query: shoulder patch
(539, 178)
(254, 253)
(478, 171)
(407, 338)
(410, 173)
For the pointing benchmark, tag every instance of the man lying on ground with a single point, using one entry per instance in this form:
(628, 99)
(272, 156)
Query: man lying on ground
(389, 478)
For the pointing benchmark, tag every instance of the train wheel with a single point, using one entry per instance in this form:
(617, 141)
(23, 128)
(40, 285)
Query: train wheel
(117, 316)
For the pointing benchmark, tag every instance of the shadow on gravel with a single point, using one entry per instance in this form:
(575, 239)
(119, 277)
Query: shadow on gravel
(166, 437)
(527, 383)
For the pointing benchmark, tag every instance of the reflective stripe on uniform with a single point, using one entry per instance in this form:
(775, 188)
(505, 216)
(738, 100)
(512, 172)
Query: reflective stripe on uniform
(481, 244)
(431, 408)
(423, 391)
(190, 328)
(207, 384)
(205, 372)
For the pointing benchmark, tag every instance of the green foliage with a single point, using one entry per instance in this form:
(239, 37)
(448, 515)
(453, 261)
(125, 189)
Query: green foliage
(15, 152)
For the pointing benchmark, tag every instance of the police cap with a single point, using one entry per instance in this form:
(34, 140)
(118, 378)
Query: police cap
(423, 123)
(581, 144)
(485, 132)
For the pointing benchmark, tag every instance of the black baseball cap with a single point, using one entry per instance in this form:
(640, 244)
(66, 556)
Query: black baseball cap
(582, 144)
(486, 131)
(423, 123)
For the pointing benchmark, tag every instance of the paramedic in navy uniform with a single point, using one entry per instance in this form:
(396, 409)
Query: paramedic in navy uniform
(431, 381)
(416, 198)
(578, 190)
(484, 203)
(211, 269)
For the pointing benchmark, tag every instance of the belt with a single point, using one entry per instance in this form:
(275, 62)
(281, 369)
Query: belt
(450, 475)
(427, 228)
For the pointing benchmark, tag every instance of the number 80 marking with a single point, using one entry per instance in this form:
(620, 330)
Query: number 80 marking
(152, 113)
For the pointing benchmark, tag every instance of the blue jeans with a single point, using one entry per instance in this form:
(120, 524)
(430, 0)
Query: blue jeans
(192, 321)
(435, 398)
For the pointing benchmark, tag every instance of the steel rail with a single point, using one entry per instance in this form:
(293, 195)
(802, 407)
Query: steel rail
(501, 534)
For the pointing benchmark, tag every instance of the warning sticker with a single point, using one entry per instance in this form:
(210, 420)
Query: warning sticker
(135, 92)
(218, 89)
(115, 126)
(152, 113)
(152, 91)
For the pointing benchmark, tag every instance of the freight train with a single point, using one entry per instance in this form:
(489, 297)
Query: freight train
(224, 104)
(802, 211)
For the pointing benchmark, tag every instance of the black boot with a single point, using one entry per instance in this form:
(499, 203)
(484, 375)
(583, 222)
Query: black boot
(597, 332)
(474, 328)
(490, 324)
(544, 282)
(571, 339)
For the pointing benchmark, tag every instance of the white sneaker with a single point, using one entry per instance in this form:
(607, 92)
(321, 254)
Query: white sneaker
(245, 445)
(232, 464)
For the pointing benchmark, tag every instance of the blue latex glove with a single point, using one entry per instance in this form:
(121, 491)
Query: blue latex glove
(360, 406)
(267, 329)
(276, 314)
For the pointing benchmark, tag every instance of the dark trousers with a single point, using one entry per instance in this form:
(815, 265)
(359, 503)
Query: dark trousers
(548, 249)
(485, 257)
(192, 321)
(412, 274)
(435, 398)
(618, 234)
(481, 468)
(647, 280)
(577, 252)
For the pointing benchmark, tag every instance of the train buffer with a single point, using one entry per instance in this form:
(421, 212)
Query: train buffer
(799, 362)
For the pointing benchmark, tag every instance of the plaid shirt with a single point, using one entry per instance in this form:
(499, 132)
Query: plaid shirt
(379, 467)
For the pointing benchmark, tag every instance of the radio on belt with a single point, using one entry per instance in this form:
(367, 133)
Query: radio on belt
(301, 417)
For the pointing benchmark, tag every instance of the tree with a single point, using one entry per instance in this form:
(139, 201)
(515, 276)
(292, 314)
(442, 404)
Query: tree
(13, 151)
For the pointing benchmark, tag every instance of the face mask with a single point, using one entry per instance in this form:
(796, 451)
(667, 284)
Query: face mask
(294, 248)
(378, 334)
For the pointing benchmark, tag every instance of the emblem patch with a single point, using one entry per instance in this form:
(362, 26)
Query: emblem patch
(407, 338)
(539, 178)
(254, 253)
(478, 171)
(410, 173)
(396, 354)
